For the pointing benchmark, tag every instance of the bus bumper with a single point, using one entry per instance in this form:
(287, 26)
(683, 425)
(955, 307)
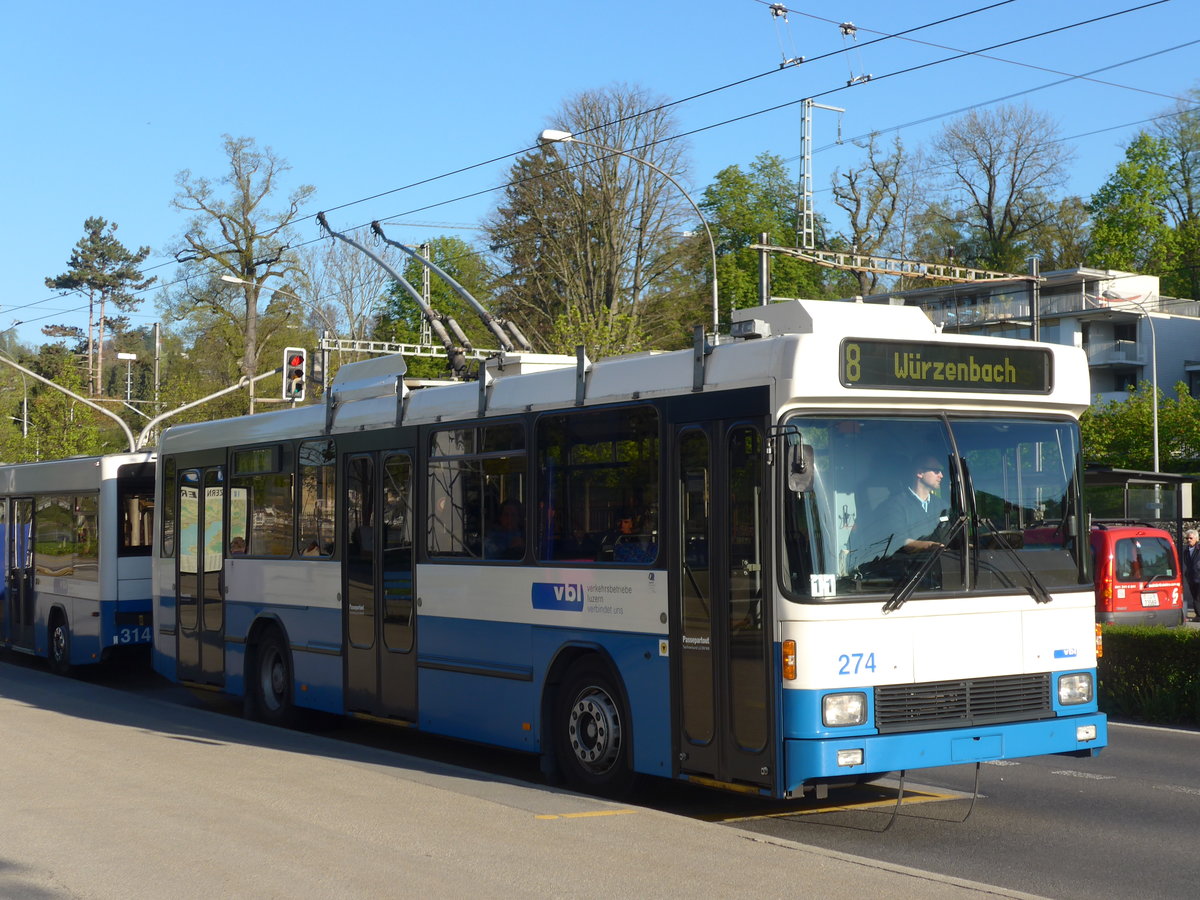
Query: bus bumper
(825, 758)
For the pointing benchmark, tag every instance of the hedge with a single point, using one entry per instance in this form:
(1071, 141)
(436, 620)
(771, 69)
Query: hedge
(1150, 674)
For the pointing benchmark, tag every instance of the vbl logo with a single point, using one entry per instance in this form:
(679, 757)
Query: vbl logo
(557, 596)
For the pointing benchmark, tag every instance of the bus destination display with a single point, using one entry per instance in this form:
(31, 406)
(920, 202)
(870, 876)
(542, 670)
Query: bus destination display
(945, 367)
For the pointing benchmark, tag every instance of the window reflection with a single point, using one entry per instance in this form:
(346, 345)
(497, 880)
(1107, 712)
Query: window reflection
(952, 504)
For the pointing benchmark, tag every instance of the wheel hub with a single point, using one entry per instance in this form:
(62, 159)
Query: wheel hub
(594, 728)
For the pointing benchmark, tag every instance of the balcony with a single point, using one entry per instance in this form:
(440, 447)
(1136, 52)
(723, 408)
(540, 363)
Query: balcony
(1114, 353)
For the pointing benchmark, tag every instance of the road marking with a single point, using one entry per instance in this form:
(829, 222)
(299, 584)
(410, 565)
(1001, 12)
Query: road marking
(910, 797)
(1092, 775)
(1177, 789)
(588, 815)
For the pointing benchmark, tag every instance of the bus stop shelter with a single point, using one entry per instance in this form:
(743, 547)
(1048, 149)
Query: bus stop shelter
(1162, 499)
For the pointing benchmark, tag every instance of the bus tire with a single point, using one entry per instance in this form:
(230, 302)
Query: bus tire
(59, 650)
(592, 730)
(271, 681)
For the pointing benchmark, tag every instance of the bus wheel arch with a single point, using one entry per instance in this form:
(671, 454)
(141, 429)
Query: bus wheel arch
(58, 642)
(587, 716)
(270, 675)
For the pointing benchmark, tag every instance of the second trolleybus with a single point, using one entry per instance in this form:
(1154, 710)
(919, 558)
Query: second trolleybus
(75, 539)
(689, 564)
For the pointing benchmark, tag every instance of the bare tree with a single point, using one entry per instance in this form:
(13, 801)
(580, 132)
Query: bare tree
(1001, 169)
(874, 197)
(239, 236)
(346, 288)
(590, 229)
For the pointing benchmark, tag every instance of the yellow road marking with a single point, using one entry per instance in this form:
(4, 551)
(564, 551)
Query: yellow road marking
(910, 797)
(589, 815)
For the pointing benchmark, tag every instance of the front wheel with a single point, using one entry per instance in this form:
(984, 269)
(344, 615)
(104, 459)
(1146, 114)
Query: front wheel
(591, 730)
(272, 681)
(60, 646)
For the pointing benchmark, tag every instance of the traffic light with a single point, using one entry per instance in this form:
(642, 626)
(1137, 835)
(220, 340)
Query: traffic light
(295, 373)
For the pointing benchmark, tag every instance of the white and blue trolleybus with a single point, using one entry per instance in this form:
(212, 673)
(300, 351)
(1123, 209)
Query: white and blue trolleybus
(75, 539)
(835, 544)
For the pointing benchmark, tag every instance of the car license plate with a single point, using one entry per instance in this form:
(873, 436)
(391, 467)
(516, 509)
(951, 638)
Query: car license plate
(1150, 598)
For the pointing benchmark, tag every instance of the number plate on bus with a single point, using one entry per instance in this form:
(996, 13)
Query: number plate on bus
(1150, 598)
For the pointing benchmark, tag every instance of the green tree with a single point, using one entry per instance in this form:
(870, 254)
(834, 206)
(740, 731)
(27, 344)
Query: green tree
(400, 318)
(1130, 229)
(239, 236)
(107, 272)
(741, 205)
(1181, 132)
(58, 425)
(1121, 434)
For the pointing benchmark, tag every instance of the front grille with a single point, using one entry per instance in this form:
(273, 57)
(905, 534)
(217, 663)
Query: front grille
(949, 704)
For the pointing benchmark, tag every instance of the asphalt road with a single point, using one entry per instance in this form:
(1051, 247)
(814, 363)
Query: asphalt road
(1123, 824)
(125, 795)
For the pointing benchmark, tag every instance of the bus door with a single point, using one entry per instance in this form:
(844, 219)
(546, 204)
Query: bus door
(377, 583)
(200, 581)
(722, 646)
(19, 597)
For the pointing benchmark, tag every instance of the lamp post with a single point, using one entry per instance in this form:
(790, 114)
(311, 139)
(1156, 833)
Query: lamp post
(1153, 373)
(554, 136)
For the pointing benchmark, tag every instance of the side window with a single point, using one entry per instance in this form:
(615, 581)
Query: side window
(477, 492)
(53, 536)
(261, 506)
(87, 537)
(65, 540)
(135, 510)
(598, 490)
(316, 483)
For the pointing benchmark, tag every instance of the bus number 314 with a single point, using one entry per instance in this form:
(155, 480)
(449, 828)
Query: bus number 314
(853, 663)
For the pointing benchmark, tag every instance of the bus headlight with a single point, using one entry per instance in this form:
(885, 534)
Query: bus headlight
(844, 709)
(1075, 688)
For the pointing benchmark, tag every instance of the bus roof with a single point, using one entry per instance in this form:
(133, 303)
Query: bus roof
(798, 347)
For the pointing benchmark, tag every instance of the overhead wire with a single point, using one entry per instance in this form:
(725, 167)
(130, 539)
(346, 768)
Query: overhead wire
(907, 70)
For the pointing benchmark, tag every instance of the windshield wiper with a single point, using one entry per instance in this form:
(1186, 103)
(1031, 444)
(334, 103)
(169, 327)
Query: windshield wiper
(1036, 589)
(906, 590)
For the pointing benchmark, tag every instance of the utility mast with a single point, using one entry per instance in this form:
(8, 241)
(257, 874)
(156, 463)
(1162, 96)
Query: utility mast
(806, 235)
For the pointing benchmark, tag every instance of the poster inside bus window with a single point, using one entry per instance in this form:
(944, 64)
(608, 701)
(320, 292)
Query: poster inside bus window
(945, 367)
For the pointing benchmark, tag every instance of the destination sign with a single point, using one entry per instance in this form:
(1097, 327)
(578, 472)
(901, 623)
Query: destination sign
(907, 365)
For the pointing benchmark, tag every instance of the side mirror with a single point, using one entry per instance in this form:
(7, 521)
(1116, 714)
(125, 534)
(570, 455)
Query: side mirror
(800, 467)
(797, 457)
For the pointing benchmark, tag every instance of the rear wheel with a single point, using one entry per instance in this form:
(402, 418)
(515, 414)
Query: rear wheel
(591, 730)
(272, 681)
(60, 645)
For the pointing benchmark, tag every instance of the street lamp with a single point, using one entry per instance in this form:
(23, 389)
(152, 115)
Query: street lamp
(554, 136)
(233, 279)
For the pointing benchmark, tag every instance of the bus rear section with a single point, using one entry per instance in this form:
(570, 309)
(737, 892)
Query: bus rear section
(76, 549)
(1137, 576)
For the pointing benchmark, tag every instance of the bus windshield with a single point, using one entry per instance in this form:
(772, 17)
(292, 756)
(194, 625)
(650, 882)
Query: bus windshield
(930, 504)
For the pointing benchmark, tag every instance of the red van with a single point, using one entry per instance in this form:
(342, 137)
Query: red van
(1138, 579)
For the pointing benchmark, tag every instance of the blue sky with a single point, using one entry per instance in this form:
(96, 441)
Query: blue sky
(104, 103)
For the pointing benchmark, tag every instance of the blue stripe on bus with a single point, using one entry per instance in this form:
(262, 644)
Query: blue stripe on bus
(817, 759)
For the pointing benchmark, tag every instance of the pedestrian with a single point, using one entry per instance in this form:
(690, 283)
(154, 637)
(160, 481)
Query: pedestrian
(1191, 567)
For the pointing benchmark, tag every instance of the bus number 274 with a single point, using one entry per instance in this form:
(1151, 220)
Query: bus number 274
(854, 663)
